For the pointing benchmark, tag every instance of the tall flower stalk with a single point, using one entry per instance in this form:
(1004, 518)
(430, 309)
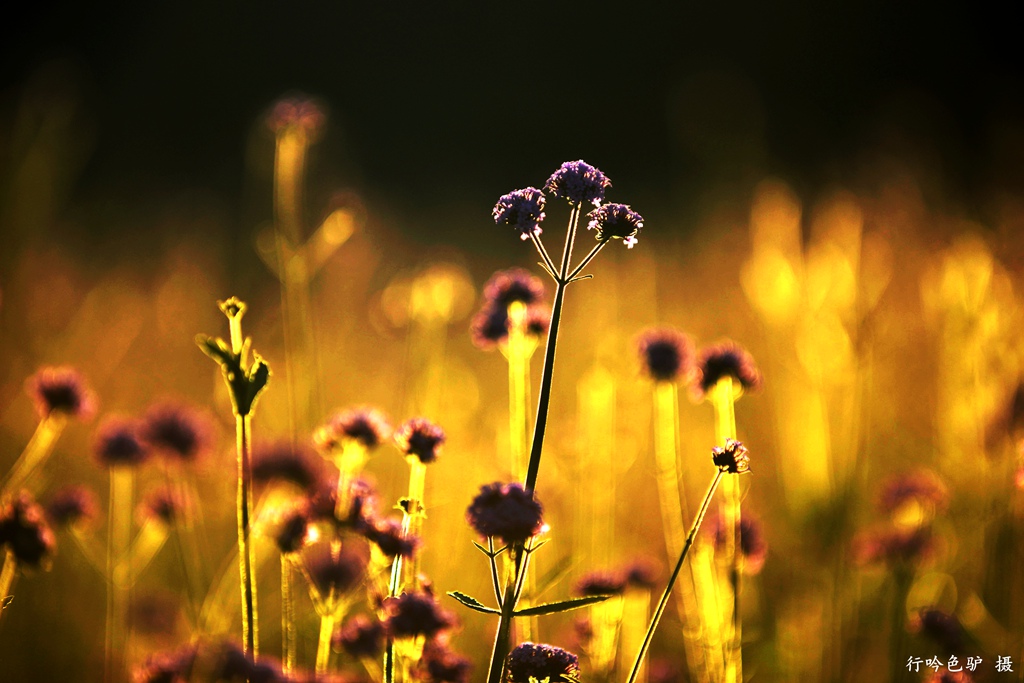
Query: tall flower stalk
(578, 183)
(245, 382)
(730, 459)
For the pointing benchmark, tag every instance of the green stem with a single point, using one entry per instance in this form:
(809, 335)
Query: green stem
(243, 433)
(672, 579)
(544, 398)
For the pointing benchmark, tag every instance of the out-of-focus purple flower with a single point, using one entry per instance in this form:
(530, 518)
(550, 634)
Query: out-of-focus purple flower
(521, 209)
(362, 505)
(283, 461)
(541, 662)
(290, 529)
(506, 287)
(489, 327)
(578, 182)
(505, 511)
(615, 222)
(895, 547)
(163, 505)
(601, 583)
(176, 430)
(71, 505)
(420, 437)
(726, 359)
(61, 390)
(155, 613)
(334, 567)
(167, 667)
(367, 426)
(666, 354)
(941, 628)
(922, 486)
(118, 443)
(641, 573)
(538, 320)
(733, 458)
(944, 675)
(296, 112)
(235, 666)
(663, 670)
(387, 534)
(439, 664)
(753, 547)
(24, 531)
(415, 614)
(362, 636)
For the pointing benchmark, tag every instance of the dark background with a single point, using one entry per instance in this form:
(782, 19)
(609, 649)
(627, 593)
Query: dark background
(436, 109)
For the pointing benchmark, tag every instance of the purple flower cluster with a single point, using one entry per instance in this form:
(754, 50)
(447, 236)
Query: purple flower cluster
(615, 222)
(439, 664)
(176, 430)
(521, 209)
(163, 505)
(362, 636)
(61, 390)
(505, 511)
(490, 326)
(24, 531)
(922, 486)
(285, 462)
(601, 583)
(542, 662)
(71, 505)
(578, 183)
(666, 354)
(420, 437)
(333, 568)
(367, 426)
(119, 443)
(413, 614)
(726, 359)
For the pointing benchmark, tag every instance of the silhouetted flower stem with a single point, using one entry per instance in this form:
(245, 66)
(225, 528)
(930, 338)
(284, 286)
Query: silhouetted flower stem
(517, 565)
(544, 398)
(663, 602)
(246, 552)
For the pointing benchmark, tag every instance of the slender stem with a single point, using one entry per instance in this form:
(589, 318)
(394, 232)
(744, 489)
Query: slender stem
(36, 451)
(323, 650)
(494, 571)
(672, 579)
(7, 577)
(119, 568)
(544, 398)
(250, 639)
(503, 636)
(517, 380)
(287, 616)
(543, 253)
(587, 259)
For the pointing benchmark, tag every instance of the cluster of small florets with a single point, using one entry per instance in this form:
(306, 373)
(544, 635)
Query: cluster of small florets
(899, 547)
(367, 427)
(726, 359)
(421, 438)
(601, 583)
(732, 458)
(24, 531)
(362, 636)
(542, 662)
(666, 354)
(414, 614)
(286, 462)
(61, 391)
(70, 505)
(168, 429)
(578, 183)
(490, 326)
(296, 113)
(505, 511)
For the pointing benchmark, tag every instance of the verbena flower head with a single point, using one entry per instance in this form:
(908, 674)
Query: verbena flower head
(896, 547)
(505, 511)
(753, 547)
(578, 182)
(666, 354)
(489, 327)
(641, 573)
(367, 426)
(119, 444)
(542, 662)
(61, 390)
(290, 529)
(923, 487)
(601, 583)
(538, 320)
(420, 437)
(334, 567)
(282, 461)
(522, 209)
(387, 535)
(176, 430)
(439, 664)
(733, 458)
(362, 636)
(615, 222)
(24, 531)
(509, 286)
(71, 505)
(726, 359)
(296, 112)
(941, 628)
(163, 505)
(414, 614)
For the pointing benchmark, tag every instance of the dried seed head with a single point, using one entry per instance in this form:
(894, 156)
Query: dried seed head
(733, 458)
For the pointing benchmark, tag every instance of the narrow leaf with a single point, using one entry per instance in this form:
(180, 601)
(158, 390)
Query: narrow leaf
(472, 603)
(561, 606)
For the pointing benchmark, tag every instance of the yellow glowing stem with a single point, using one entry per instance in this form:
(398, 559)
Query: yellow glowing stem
(672, 497)
(606, 619)
(413, 522)
(289, 167)
(147, 544)
(636, 610)
(7, 577)
(723, 399)
(185, 540)
(518, 377)
(350, 463)
(287, 617)
(38, 449)
(119, 538)
(323, 650)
